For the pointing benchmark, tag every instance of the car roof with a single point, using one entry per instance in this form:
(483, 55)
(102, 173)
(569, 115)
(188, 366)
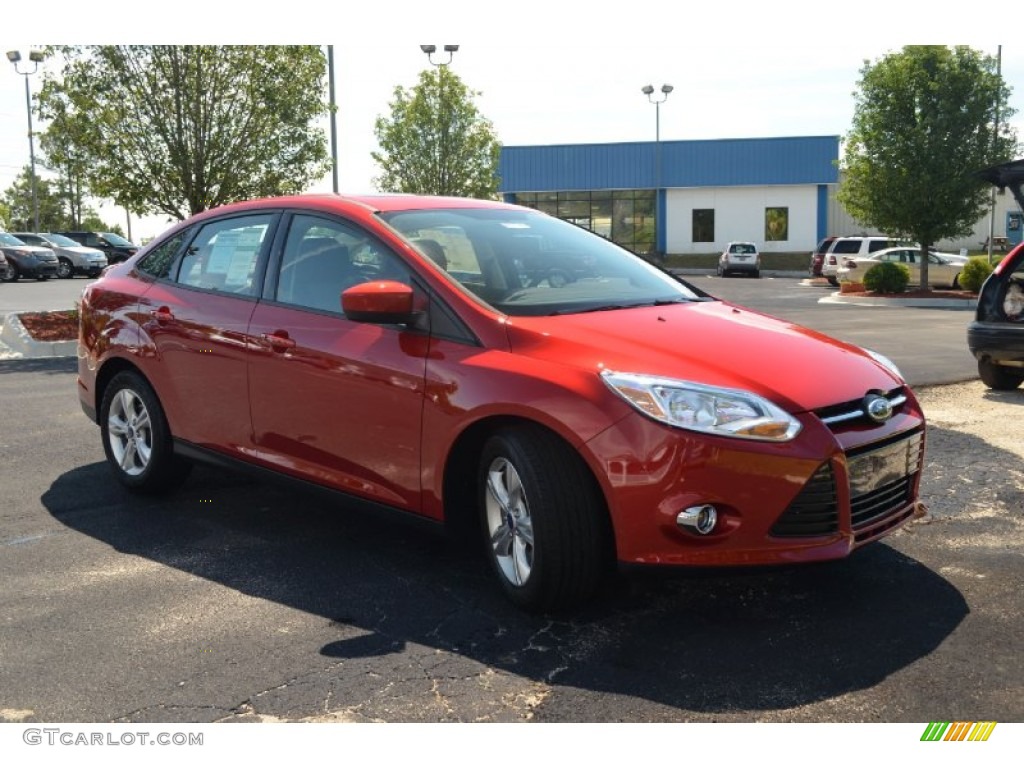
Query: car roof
(374, 202)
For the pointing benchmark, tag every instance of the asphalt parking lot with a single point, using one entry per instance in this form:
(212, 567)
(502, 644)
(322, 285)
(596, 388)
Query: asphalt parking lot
(238, 601)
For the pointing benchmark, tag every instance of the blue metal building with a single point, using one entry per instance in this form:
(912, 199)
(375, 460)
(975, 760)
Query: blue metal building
(683, 196)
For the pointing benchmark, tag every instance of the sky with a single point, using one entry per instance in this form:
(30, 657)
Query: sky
(549, 73)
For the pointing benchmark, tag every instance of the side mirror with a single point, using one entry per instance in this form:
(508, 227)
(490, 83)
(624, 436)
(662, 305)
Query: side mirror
(379, 301)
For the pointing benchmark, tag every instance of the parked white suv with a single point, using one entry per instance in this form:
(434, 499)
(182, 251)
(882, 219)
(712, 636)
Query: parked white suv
(740, 257)
(853, 247)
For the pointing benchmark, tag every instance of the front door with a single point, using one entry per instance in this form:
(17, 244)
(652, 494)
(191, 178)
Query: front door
(333, 401)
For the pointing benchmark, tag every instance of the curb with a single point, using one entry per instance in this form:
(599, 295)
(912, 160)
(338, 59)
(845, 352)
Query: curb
(872, 301)
(17, 344)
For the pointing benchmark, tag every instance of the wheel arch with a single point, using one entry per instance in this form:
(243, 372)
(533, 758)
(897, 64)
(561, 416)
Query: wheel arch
(106, 374)
(459, 484)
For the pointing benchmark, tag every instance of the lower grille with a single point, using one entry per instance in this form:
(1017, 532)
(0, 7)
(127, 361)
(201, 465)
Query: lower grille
(881, 478)
(815, 510)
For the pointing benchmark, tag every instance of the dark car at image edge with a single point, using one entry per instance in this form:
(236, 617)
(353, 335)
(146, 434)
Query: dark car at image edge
(996, 336)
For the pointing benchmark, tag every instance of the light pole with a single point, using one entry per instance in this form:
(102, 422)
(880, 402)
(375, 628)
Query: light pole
(648, 91)
(334, 119)
(35, 57)
(430, 50)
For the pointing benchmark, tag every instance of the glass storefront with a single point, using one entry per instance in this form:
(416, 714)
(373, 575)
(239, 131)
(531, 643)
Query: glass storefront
(625, 216)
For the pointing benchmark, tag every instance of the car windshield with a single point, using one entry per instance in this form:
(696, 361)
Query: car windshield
(113, 239)
(521, 262)
(8, 239)
(66, 242)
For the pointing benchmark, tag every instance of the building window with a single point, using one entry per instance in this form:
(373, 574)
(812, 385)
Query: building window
(703, 225)
(625, 216)
(776, 224)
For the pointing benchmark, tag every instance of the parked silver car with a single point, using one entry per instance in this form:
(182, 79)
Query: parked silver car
(73, 259)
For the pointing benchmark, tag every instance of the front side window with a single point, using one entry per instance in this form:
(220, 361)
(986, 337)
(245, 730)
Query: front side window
(703, 225)
(323, 257)
(776, 224)
(224, 255)
(525, 263)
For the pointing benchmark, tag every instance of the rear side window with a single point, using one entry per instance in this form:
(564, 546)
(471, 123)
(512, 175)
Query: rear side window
(846, 246)
(225, 254)
(880, 245)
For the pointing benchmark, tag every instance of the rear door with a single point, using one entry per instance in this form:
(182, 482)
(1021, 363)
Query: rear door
(197, 317)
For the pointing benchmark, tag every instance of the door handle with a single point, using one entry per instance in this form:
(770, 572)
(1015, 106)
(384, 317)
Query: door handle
(162, 315)
(278, 340)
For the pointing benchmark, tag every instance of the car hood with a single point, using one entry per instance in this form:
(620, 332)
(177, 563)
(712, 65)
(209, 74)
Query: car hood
(37, 250)
(711, 343)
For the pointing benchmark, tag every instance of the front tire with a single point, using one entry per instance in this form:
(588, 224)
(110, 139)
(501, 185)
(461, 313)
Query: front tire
(544, 520)
(136, 438)
(998, 376)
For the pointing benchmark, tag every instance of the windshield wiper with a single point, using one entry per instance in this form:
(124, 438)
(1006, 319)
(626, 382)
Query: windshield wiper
(610, 307)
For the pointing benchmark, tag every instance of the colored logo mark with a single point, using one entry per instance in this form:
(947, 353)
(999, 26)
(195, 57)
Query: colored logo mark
(958, 731)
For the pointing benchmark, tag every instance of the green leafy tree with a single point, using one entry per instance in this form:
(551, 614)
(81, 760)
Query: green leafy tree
(435, 141)
(17, 199)
(61, 146)
(924, 121)
(180, 129)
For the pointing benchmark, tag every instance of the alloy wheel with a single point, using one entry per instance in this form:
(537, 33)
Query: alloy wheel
(509, 523)
(130, 432)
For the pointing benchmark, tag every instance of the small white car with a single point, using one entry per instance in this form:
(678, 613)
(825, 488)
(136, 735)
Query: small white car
(943, 268)
(740, 257)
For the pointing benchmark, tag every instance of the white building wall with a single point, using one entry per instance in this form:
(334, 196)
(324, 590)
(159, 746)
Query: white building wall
(740, 215)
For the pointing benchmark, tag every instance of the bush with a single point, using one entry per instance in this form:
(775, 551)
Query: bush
(887, 277)
(974, 273)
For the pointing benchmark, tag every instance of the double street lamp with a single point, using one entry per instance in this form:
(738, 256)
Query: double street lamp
(430, 50)
(35, 57)
(648, 90)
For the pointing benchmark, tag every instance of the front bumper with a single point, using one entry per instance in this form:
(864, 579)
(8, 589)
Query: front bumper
(810, 499)
(39, 269)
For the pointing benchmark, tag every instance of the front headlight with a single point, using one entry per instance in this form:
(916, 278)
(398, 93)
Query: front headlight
(702, 408)
(886, 363)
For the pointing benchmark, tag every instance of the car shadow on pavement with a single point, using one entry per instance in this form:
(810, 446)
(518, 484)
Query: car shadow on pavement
(707, 641)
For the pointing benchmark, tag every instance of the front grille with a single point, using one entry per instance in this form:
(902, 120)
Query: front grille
(881, 478)
(815, 510)
(853, 410)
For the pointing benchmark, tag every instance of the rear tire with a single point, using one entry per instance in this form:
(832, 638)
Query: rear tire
(544, 521)
(998, 376)
(833, 281)
(65, 269)
(12, 272)
(136, 438)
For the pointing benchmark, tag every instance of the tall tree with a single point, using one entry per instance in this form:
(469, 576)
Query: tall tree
(924, 121)
(61, 148)
(435, 141)
(179, 129)
(17, 199)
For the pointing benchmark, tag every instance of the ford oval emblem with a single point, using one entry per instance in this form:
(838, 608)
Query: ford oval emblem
(878, 408)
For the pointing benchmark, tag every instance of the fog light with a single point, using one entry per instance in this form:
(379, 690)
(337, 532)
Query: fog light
(700, 519)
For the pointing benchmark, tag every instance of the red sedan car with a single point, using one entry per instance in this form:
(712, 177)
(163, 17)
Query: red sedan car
(408, 351)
